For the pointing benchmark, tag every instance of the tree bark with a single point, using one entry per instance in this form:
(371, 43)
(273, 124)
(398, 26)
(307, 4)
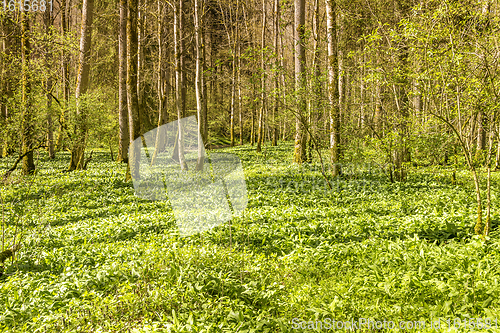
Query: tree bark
(274, 129)
(64, 81)
(199, 73)
(182, 67)
(240, 95)
(78, 149)
(315, 82)
(333, 92)
(234, 74)
(6, 92)
(122, 86)
(132, 98)
(49, 86)
(300, 77)
(27, 113)
(260, 133)
(204, 89)
(179, 96)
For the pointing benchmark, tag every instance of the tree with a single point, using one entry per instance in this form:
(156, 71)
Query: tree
(315, 81)
(401, 153)
(132, 98)
(64, 79)
(260, 130)
(122, 86)
(82, 84)
(163, 80)
(300, 78)
(274, 129)
(27, 125)
(6, 78)
(333, 91)
(198, 82)
(49, 86)
(179, 95)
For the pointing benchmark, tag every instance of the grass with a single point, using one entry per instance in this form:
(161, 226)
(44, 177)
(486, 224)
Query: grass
(96, 258)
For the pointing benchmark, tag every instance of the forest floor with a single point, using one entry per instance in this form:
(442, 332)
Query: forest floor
(96, 258)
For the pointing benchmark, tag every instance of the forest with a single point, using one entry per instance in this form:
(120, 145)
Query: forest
(261, 166)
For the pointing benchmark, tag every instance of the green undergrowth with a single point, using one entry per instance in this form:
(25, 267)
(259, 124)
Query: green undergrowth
(96, 258)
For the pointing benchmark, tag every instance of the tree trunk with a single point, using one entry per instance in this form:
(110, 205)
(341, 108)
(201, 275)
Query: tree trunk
(27, 115)
(49, 86)
(179, 98)
(401, 152)
(3, 83)
(283, 83)
(260, 133)
(122, 86)
(6, 92)
(204, 90)
(240, 95)
(233, 87)
(140, 61)
(274, 129)
(300, 77)
(181, 54)
(315, 81)
(64, 80)
(199, 73)
(333, 92)
(252, 115)
(132, 98)
(78, 149)
(163, 82)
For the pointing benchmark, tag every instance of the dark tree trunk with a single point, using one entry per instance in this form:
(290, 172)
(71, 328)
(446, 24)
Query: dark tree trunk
(132, 98)
(49, 86)
(27, 116)
(122, 86)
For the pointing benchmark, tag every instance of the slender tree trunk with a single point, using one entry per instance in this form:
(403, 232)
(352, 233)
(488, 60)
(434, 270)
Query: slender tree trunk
(240, 95)
(378, 116)
(315, 81)
(487, 225)
(497, 159)
(199, 73)
(300, 76)
(5, 85)
(132, 98)
(233, 85)
(401, 153)
(49, 86)
(163, 78)
(362, 90)
(283, 83)
(333, 91)
(204, 90)
(27, 115)
(140, 61)
(252, 115)
(274, 129)
(179, 100)
(182, 59)
(260, 133)
(78, 150)
(64, 80)
(124, 137)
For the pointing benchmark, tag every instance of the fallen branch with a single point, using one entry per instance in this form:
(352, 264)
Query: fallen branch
(9, 252)
(8, 172)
